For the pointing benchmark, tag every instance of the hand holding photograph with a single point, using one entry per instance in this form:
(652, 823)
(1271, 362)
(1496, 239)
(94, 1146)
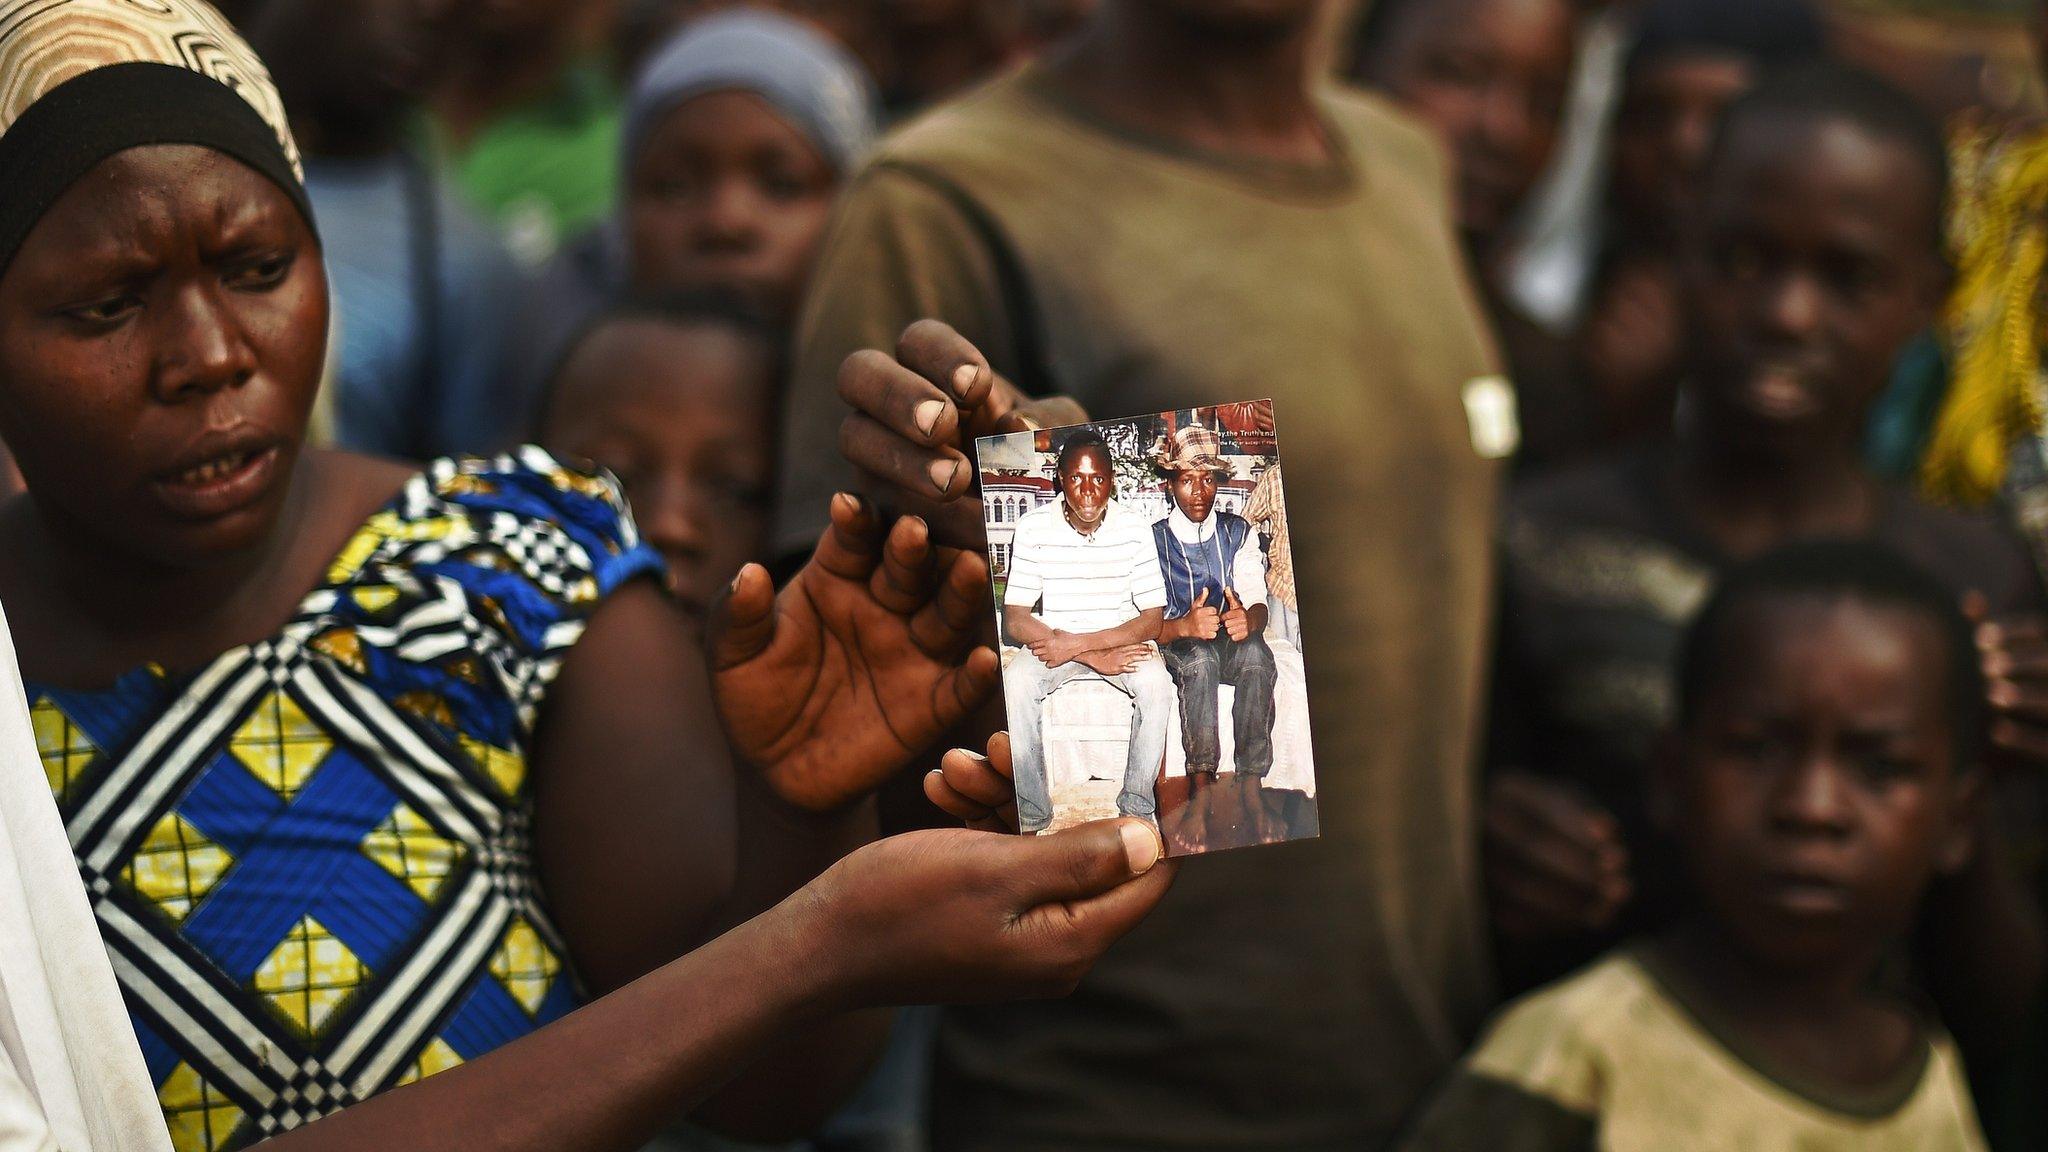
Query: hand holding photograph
(1152, 661)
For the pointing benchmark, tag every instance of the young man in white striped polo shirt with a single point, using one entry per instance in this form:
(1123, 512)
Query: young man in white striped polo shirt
(1088, 568)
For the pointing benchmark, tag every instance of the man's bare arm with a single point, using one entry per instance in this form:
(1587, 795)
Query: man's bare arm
(1024, 629)
(1137, 630)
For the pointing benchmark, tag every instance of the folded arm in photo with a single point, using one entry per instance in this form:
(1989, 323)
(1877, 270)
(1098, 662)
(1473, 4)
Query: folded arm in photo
(1055, 647)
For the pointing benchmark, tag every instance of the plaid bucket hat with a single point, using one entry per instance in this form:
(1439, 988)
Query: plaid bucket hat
(1191, 448)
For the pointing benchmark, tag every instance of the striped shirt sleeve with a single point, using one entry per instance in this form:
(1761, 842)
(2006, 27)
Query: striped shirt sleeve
(1148, 582)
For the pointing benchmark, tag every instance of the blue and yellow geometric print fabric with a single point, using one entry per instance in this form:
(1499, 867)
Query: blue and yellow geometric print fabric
(309, 860)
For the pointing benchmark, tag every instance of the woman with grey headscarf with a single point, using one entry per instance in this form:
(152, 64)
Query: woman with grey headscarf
(737, 136)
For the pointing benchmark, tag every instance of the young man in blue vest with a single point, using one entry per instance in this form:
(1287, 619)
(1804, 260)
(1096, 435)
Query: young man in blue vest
(1215, 626)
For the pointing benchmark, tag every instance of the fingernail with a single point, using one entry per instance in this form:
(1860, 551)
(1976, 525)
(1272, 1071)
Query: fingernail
(1987, 636)
(2004, 694)
(964, 377)
(1029, 424)
(1995, 665)
(942, 473)
(927, 416)
(1141, 846)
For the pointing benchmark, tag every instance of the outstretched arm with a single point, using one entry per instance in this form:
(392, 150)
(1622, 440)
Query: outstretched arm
(933, 917)
(651, 832)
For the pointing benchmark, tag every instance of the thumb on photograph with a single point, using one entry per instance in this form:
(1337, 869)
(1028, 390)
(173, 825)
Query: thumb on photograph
(1099, 878)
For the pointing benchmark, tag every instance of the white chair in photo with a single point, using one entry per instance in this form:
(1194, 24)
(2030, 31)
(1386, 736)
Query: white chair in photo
(1087, 724)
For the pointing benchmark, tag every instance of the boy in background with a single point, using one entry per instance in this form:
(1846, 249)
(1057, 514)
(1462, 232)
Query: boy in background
(1490, 77)
(1824, 769)
(677, 399)
(1690, 60)
(1815, 259)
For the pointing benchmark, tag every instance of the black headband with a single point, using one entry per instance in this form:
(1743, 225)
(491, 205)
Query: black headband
(96, 114)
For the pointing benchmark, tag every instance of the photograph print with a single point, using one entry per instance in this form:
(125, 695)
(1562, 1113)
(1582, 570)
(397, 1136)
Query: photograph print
(1151, 639)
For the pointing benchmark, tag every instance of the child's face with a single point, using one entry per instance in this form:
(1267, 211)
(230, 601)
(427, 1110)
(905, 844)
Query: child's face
(726, 195)
(680, 415)
(1663, 131)
(1490, 76)
(1813, 263)
(1815, 792)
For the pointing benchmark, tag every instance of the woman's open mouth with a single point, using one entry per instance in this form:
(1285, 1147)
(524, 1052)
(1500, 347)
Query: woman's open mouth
(219, 484)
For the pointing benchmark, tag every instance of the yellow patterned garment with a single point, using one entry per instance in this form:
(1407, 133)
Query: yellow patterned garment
(1998, 236)
(309, 859)
(1612, 1060)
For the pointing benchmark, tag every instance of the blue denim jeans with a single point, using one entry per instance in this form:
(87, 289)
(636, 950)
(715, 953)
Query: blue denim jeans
(1027, 682)
(1200, 668)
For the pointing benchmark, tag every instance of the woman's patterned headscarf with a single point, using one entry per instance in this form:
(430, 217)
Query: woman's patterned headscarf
(81, 80)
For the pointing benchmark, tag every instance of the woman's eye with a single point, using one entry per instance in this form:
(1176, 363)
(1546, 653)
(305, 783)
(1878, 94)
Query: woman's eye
(107, 311)
(263, 272)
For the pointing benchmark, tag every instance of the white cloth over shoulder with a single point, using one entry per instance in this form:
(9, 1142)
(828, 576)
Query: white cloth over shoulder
(71, 1074)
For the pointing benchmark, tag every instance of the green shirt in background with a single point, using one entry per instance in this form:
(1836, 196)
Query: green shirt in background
(1306, 995)
(545, 169)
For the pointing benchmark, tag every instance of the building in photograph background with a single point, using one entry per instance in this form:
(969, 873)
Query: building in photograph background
(1008, 491)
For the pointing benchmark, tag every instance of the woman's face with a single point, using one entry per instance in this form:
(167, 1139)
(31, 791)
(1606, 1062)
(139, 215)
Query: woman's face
(162, 333)
(726, 195)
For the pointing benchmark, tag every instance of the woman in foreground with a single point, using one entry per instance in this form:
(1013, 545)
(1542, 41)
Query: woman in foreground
(374, 775)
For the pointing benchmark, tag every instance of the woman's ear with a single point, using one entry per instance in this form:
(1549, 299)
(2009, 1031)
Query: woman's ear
(1967, 823)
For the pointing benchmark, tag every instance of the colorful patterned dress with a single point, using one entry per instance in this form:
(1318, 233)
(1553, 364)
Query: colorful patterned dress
(309, 859)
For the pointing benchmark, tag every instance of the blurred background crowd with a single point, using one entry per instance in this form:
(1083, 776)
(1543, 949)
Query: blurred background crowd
(649, 232)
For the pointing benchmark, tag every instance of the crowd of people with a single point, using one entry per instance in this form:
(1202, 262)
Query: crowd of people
(490, 543)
